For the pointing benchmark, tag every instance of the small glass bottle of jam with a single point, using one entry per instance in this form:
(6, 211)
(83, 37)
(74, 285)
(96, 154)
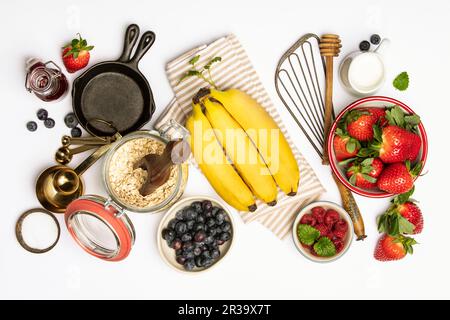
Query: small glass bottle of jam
(45, 80)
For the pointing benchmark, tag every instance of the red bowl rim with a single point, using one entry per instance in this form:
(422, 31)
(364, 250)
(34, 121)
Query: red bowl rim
(353, 105)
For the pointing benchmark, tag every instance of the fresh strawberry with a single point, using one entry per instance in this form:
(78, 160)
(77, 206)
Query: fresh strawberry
(379, 114)
(396, 144)
(364, 174)
(76, 54)
(341, 225)
(323, 229)
(398, 177)
(319, 214)
(331, 217)
(402, 217)
(398, 141)
(338, 244)
(393, 247)
(345, 146)
(359, 122)
(308, 219)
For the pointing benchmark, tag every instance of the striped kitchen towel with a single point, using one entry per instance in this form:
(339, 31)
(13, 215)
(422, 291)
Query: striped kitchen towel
(236, 71)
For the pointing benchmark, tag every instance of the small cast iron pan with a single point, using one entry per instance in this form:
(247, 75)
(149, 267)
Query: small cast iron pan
(115, 91)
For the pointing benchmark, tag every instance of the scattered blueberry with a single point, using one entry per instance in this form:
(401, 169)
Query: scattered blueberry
(71, 120)
(49, 123)
(364, 45)
(375, 39)
(75, 132)
(32, 126)
(42, 114)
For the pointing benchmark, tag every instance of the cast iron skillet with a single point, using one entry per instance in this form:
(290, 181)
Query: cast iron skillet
(115, 92)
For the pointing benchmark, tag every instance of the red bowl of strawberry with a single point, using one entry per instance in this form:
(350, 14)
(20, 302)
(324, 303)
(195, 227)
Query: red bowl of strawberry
(377, 147)
(322, 231)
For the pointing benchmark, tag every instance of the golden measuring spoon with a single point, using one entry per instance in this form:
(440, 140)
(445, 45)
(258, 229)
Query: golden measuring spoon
(59, 185)
(64, 155)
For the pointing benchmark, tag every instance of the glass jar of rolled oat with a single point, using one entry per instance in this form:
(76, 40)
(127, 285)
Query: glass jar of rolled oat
(123, 181)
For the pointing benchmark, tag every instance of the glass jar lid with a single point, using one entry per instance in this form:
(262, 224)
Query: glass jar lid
(100, 227)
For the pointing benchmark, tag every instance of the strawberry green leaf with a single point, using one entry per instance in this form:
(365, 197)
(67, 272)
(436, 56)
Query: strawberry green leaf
(415, 171)
(89, 48)
(307, 234)
(324, 247)
(369, 178)
(352, 179)
(402, 198)
(377, 133)
(404, 226)
(350, 146)
(401, 82)
(367, 162)
(346, 161)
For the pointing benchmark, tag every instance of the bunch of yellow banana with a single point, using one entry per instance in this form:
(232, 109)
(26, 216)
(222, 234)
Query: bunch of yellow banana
(240, 149)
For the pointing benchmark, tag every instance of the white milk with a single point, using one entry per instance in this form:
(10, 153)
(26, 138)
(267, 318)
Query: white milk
(366, 72)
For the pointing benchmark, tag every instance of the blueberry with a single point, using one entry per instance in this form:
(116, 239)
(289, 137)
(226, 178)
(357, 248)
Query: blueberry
(176, 244)
(197, 251)
(225, 236)
(49, 123)
(180, 228)
(199, 261)
(31, 126)
(200, 236)
(189, 264)
(209, 239)
(190, 214)
(181, 260)
(364, 45)
(220, 242)
(208, 262)
(215, 253)
(168, 234)
(75, 132)
(218, 230)
(71, 120)
(207, 205)
(375, 39)
(210, 222)
(186, 237)
(226, 227)
(178, 252)
(190, 224)
(204, 248)
(215, 210)
(179, 215)
(42, 114)
(199, 226)
(188, 254)
(188, 246)
(171, 224)
(206, 254)
(197, 206)
(211, 232)
(201, 219)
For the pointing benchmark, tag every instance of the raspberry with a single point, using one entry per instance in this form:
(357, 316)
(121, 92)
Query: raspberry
(323, 229)
(338, 244)
(331, 217)
(308, 219)
(339, 234)
(341, 225)
(318, 213)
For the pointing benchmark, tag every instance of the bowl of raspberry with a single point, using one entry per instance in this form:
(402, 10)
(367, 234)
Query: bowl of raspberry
(322, 231)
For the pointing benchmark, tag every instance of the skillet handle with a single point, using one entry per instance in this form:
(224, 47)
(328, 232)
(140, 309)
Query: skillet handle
(131, 37)
(147, 40)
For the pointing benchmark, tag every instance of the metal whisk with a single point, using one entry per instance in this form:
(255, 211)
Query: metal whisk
(299, 82)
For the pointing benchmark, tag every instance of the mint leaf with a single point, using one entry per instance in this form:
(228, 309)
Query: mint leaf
(213, 60)
(401, 82)
(324, 247)
(307, 234)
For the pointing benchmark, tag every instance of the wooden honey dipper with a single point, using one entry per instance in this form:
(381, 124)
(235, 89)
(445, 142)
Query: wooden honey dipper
(330, 46)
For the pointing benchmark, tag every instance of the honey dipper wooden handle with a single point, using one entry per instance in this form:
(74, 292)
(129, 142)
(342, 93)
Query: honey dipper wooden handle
(328, 107)
(349, 204)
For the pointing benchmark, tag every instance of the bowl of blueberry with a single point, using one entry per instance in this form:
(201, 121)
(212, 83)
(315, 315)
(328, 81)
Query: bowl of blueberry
(195, 234)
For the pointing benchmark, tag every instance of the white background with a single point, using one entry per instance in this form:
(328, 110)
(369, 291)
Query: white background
(259, 266)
